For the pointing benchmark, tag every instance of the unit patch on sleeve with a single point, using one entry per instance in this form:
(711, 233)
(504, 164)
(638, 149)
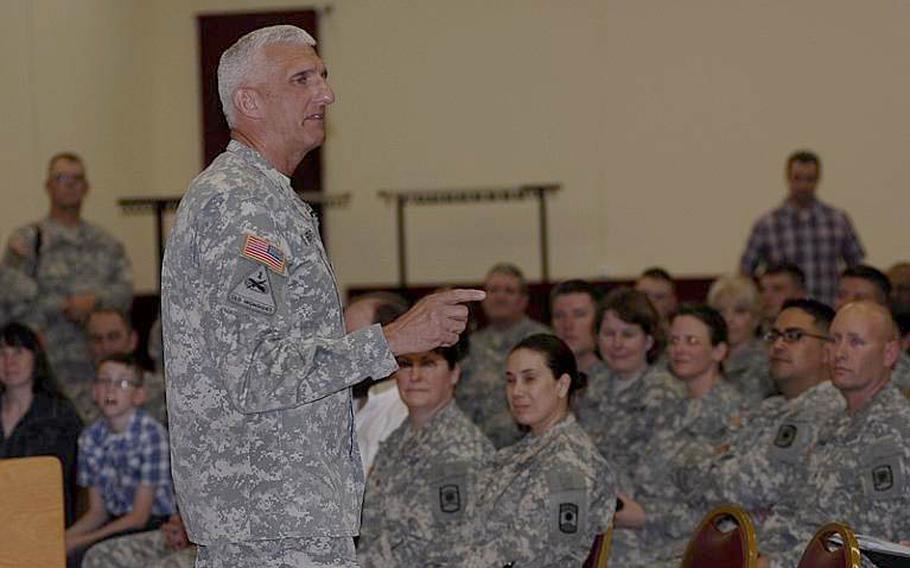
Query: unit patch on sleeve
(254, 291)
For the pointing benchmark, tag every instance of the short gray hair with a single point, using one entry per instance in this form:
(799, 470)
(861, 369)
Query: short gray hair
(238, 61)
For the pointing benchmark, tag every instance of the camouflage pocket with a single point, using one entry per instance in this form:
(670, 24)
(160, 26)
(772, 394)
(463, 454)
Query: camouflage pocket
(791, 441)
(882, 471)
(567, 505)
(448, 492)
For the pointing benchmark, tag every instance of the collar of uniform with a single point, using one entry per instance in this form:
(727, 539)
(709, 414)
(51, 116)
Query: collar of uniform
(441, 417)
(61, 231)
(880, 405)
(619, 385)
(255, 159)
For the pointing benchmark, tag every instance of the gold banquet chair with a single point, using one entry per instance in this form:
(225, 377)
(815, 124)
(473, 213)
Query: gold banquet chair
(600, 551)
(31, 513)
(822, 553)
(725, 538)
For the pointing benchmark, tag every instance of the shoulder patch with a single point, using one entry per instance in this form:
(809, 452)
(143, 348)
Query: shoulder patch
(567, 502)
(264, 252)
(254, 291)
(448, 485)
(792, 441)
(882, 467)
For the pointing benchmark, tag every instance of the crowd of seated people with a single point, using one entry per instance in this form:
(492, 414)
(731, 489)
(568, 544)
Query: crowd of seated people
(627, 413)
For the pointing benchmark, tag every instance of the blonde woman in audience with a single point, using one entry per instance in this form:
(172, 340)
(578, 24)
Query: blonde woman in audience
(626, 392)
(746, 366)
(654, 521)
(542, 501)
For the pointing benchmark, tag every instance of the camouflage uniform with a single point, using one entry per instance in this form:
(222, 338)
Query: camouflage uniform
(258, 371)
(146, 550)
(858, 475)
(769, 453)
(541, 502)
(417, 490)
(687, 432)
(155, 402)
(481, 393)
(620, 416)
(17, 291)
(71, 260)
(900, 376)
(748, 369)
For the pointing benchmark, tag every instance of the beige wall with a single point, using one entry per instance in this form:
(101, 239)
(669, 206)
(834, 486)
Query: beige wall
(666, 122)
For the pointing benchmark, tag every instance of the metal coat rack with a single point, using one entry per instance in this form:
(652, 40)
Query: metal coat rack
(403, 198)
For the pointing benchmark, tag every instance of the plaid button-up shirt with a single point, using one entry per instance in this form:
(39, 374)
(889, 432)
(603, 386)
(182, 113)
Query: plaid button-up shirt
(816, 238)
(118, 462)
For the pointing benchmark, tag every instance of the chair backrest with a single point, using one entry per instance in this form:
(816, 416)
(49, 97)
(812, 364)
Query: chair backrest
(821, 553)
(600, 551)
(31, 513)
(725, 538)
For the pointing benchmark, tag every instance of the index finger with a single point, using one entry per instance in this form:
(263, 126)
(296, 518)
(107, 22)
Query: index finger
(461, 295)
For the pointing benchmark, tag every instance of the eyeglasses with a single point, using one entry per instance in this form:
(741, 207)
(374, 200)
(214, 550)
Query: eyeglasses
(122, 384)
(71, 178)
(791, 336)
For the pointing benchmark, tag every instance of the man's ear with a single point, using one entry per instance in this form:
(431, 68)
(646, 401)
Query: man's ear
(248, 102)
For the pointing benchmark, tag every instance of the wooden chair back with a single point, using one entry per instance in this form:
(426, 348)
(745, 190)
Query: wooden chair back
(31, 513)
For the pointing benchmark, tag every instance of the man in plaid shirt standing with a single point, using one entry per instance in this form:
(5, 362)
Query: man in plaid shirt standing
(805, 231)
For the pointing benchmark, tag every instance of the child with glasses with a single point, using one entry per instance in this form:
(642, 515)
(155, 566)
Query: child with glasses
(123, 461)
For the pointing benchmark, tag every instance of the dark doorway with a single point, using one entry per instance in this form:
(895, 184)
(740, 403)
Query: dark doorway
(217, 32)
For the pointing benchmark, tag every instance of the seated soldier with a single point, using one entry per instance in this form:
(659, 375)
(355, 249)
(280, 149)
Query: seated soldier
(857, 473)
(780, 281)
(542, 501)
(746, 366)
(768, 452)
(573, 309)
(864, 282)
(167, 547)
(416, 492)
(110, 332)
(654, 520)
(661, 290)
(480, 394)
(123, 460)
(626, 393)
(37, 419)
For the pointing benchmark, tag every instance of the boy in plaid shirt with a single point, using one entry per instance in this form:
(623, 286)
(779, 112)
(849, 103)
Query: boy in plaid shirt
(123, 461)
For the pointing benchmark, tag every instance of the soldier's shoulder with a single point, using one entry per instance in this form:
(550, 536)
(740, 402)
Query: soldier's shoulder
(467, 434)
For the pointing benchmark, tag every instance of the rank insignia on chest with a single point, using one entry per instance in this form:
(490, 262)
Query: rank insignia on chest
(262, 251)
(449, 498)
(786, 435)
(568, 518)
(882, 478)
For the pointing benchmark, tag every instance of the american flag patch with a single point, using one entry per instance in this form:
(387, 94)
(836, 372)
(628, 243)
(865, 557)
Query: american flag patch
(260, 250)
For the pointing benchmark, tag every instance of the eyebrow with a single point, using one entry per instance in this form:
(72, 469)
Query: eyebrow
(302, 74)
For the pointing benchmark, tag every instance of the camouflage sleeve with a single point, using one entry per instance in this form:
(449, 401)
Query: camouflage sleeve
(280, 352)
(118, 291)
(19, 288)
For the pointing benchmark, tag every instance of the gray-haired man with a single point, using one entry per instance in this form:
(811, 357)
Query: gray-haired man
(265, 460)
